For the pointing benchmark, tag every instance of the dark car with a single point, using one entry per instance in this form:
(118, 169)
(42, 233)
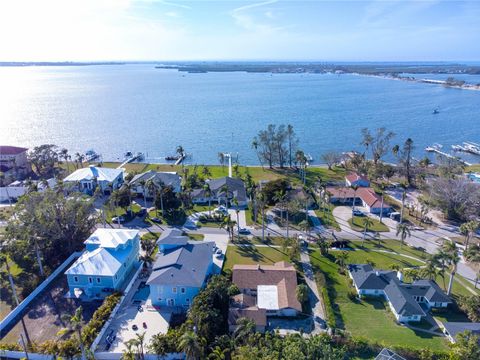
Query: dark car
(244, 231)
(156, 220)
(142, 212)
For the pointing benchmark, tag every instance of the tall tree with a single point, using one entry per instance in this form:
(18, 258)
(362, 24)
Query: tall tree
(378, 143)
(292, 142)
(452, 257)
(406, 160)
(75, 323)
(191, 345)
(472, 254)
(44, 158)
(403, 229)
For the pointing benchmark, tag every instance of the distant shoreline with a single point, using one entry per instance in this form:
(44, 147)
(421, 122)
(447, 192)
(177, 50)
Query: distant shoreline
(425, 81)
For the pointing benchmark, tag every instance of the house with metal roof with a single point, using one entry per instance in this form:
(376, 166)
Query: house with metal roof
(104, 267)
(408, 301)
(161, 179)
(452, 329)
(180, 270)
(222, 190)
(87, 179)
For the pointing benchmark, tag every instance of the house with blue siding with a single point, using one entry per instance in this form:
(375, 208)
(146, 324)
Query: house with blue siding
(104, 267)
(180, 270)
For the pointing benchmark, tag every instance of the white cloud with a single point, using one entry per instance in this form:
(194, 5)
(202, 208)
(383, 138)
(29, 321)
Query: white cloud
(251, 6)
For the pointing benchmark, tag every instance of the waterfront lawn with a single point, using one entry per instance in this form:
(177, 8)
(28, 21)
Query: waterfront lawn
(326, 217)
(253, 255)
(357, 224)
(257, 172)
(369, 319)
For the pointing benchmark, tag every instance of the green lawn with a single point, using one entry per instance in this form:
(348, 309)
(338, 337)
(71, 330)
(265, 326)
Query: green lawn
(197, 237)
(109, 213)
(357, 223)
(388, 245)
(257, 172)
(253, 255)
(257, 240)
(326, 217)
(370, 319)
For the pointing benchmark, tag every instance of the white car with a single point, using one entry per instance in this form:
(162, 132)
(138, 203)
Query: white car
(221, 210)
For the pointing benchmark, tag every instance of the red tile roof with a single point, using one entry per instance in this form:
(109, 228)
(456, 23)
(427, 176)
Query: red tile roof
(11, 150)
(353, 176)
(369, 197)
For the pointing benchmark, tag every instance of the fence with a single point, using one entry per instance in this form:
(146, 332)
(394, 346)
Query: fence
(11, 318)
(115, 310)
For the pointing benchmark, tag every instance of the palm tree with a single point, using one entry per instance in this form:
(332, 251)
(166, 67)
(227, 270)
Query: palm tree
(472, 227)
(160, 186)
(65, 156)
(404, 195)
(355, 188)
(367, 223)
(255, 146)
(237, 211)
(450, 253)
(139, 342)
(228, 224)
(129, 353)
(75, 323)
(218, 353)
(395, 150)
(472, 254)
(38, 254)
(382, 189)
(430, 270)
(224, 190)
(323, 245)
(404, 231)
(280, 197)
(208, 193)
(206, 171)
(261, 203)
(245, 327)
(144, 191)
(152, 189)
(341, 259)
(190, 344)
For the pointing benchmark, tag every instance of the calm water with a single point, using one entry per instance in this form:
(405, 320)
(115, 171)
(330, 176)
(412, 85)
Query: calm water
(113, 109)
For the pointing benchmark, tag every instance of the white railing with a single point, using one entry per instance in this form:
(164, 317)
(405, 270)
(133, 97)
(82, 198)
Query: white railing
(18, 310)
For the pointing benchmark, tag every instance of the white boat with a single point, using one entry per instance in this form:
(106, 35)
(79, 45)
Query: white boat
(458, 148)
(435, 147)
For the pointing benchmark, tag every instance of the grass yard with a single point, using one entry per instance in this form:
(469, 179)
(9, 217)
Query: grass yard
(197, 237)
(473, 168)
(119, 211)
(370, 319)
(257, 240)
(257, 172)
(357, 223)
(326, 217)
(253, 255)
(6, 212)
(388, 245)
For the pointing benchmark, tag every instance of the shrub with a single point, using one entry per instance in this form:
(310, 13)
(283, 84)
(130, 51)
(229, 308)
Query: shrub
(331, 321)
(352, 295)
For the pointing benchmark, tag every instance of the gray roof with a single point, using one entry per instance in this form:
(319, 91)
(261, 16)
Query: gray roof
(172, 236)
(430, 290)
(400, 295)
(387, 354)
(235, 186)
(166, 178)
(455, 328)
(186, 265)
(367, 279)
(402, 301)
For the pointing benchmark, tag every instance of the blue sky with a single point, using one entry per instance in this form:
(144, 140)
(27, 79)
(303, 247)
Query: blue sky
(85, 30)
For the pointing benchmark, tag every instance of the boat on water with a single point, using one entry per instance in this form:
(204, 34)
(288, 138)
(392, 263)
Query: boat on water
(172, 158)
(128, 154)
(91, 155)
(139, 156)
(435, 147)
(458, 148)
(436, 111)
(309, 157)
(471, 147)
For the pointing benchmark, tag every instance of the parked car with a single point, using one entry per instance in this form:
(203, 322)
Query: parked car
(156, 220)
(221, 210)
(244, 231)
(357, 213)
(142, 212)
(219, 256)
(118, 219)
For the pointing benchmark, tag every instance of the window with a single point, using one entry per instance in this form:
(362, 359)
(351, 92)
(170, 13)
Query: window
(75, 278)
(182, 290)
(98, 280)
(187, 300)
(174, 290)
(90, 280)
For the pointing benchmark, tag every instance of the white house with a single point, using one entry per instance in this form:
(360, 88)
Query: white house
(404, 299)
(104, 267)
(14, 159)
(87, 179)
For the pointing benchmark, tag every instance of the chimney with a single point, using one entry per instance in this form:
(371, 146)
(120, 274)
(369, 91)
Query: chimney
(400, 276)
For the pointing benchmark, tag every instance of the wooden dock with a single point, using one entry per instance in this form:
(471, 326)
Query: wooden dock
(444, 154)
(129, 160)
